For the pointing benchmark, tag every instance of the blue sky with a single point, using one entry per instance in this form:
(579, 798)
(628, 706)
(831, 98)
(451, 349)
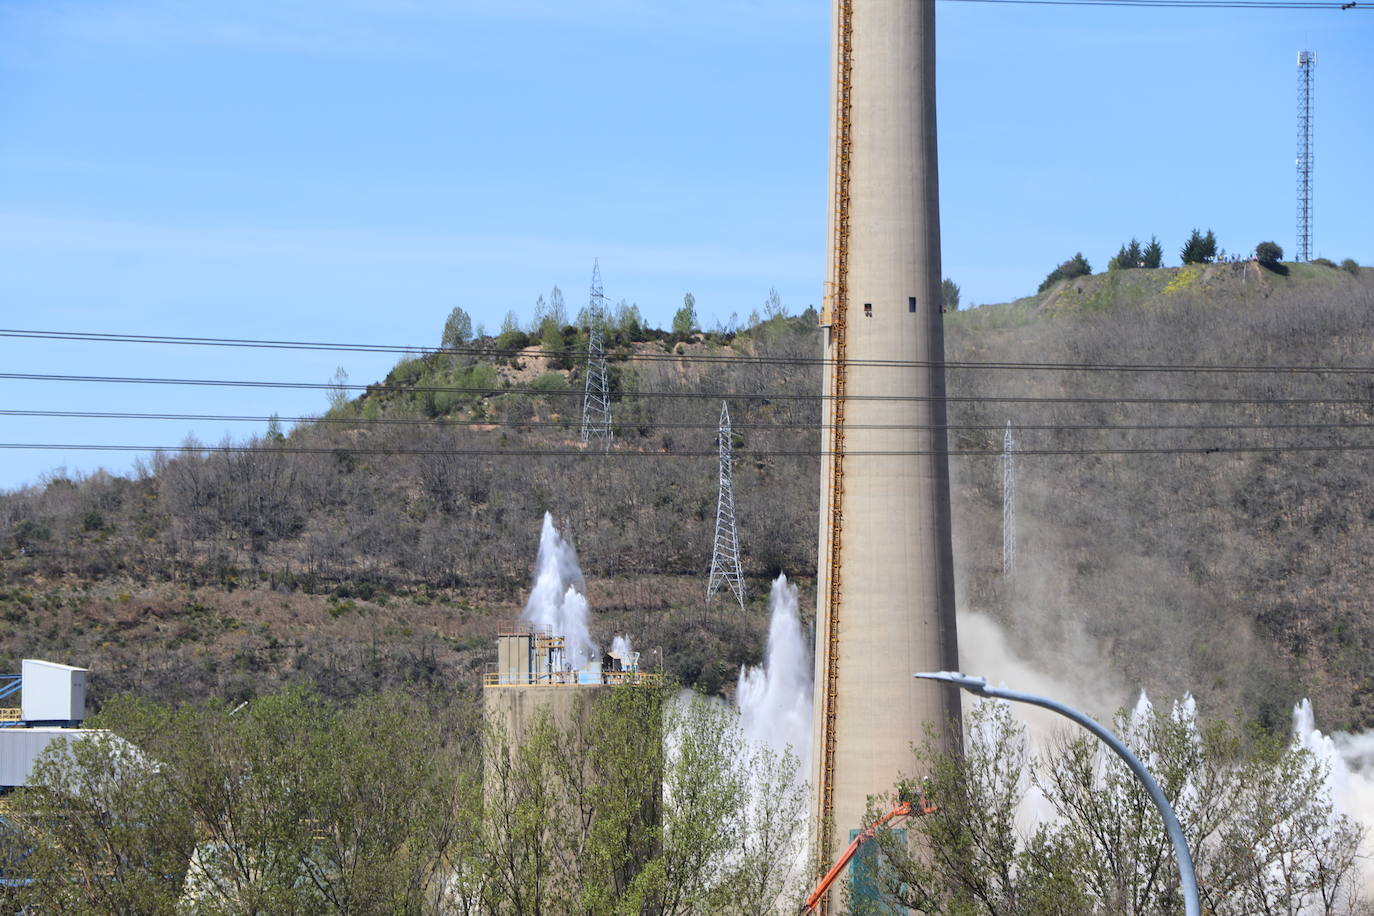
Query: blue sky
(351, 170)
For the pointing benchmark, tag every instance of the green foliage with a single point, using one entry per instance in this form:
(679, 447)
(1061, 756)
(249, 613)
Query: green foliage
(1129, 257)
(476, 379)
(949, 291)
(1258, 817)
(512, 339)
(288, 805)
(628, 322)
(1323, 262)
(1268, 253)
(1153, 256)
(457, 329)
(338, 389)
(685, 318)
(550, 381)
(1199, 249)
(295, 804)
(406, 372)
(1351, 266)
(274, 433)
(1076, 266)
(772, 306)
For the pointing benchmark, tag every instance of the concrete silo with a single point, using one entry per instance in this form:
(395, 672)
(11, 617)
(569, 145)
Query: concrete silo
(886, 580)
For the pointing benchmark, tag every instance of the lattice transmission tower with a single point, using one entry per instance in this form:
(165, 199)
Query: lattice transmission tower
(596, 402)
(1008, 501)
(1306, 61)
(725, 568)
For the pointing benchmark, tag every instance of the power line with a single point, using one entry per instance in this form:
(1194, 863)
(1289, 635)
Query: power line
(1191, 4)
(440, 423)
(634, 453)
(733, 359)
(646, 393)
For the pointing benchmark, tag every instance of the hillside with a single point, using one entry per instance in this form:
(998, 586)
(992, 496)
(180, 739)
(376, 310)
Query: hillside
(383, 544)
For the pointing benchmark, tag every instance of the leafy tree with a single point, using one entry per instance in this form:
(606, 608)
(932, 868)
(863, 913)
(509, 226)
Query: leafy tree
(1351, 266)
(457, 329)
(1199, 249)
(628, 321)
(291, 804)
(1256, 811)
(338, 389)
(1129, 257)
(541, 314)
(773, 307)
(1076, 266)
(558, 312)
(949, 290)
(1153, 255)
(685, 319)
(97, 832)
(1268, 253)
(510, 323)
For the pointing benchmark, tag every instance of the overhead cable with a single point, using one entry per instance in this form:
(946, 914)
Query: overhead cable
(687, 357)
(440, 423)
(653, 453)
(643, 393)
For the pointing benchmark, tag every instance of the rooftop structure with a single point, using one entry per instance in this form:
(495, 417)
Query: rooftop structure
(52, 706)
(532, 655)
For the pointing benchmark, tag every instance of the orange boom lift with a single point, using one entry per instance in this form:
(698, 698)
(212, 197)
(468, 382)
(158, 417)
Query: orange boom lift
(911, 803)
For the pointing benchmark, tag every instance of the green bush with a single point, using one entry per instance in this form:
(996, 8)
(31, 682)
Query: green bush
(1076, 266)
(512, 339)
(406, 372)
(1324, 262)
(550, 381)
(950, 291)
(1268, 253)
(1351, 266)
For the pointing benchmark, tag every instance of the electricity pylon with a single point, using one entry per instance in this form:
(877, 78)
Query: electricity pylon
(1008, 502)
(596, 402)
(725, 568)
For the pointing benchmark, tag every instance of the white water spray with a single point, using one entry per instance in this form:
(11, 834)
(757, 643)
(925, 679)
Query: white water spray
(775, 700)
(558, 597)
(1349, 763)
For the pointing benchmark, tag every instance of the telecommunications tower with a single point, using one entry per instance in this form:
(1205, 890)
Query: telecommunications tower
(1306, 61)
(725, 568)
(1008, 502)
(596, 403)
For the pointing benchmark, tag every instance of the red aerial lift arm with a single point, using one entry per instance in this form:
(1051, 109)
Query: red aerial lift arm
(916, 806)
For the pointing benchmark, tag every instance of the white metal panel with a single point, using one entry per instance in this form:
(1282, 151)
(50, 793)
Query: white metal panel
(20, 747)
(53, 692)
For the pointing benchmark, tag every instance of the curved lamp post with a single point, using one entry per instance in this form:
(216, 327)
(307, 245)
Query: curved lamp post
(980, 686)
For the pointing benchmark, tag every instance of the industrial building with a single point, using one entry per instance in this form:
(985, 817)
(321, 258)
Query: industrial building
(532, 675)
(52, 707)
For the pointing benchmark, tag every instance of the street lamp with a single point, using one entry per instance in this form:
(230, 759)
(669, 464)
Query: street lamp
(980, 686)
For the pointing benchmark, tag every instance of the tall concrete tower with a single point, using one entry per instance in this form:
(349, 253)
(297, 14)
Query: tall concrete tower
(886, 569)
